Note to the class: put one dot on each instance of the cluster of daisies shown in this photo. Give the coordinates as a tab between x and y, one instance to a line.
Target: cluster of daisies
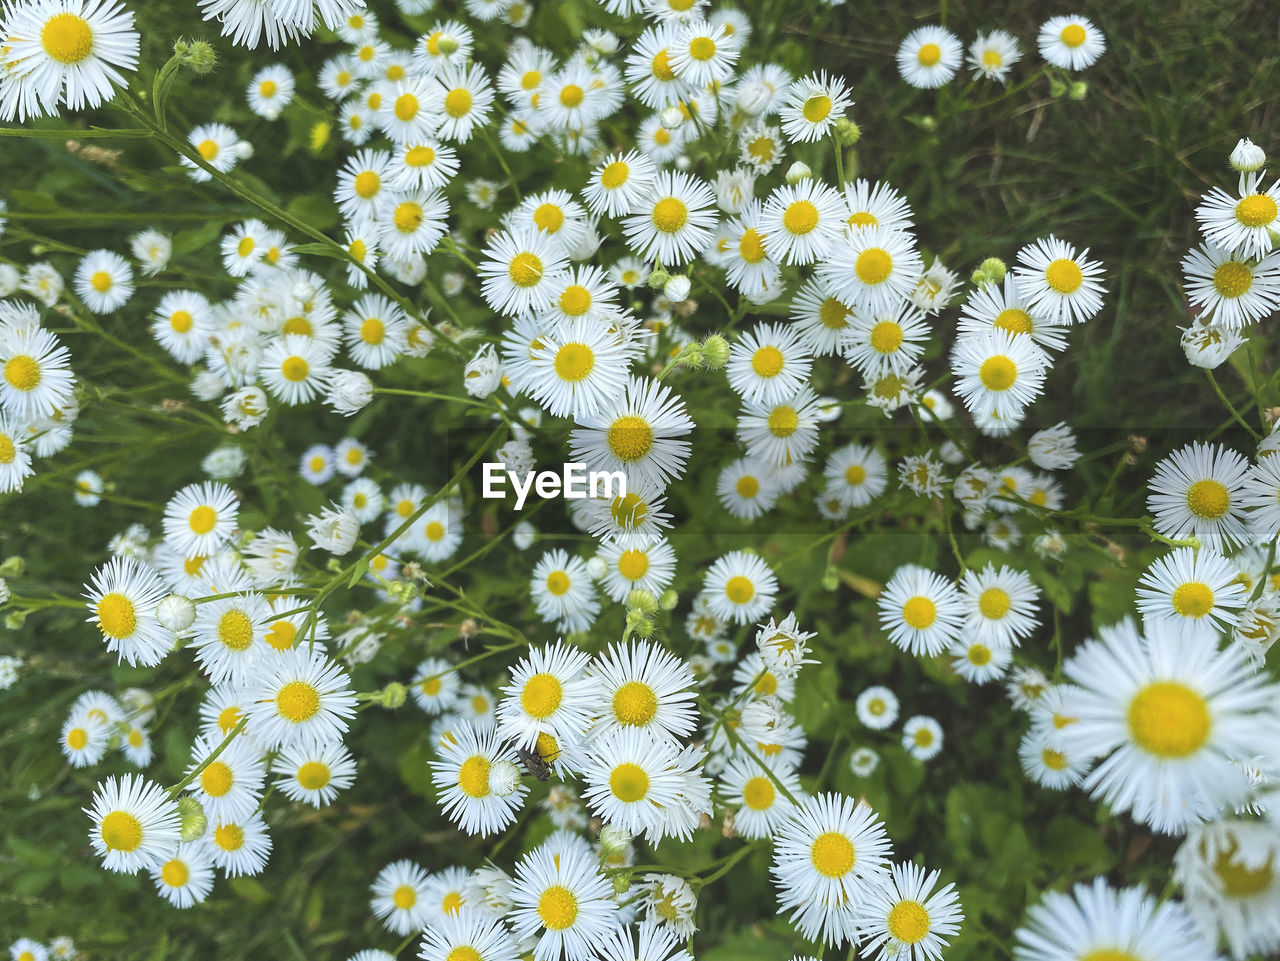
930	56
682	175
1232	279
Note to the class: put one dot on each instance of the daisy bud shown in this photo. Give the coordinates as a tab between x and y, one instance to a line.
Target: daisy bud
638	624
334	530
978	278
830	579
13	566
176	613
448	45
672	118
349	391
621	883
596	568
191	818
676	288
715	352
683	162
1056	87
754	98
451	283
797	172
1247	157
14	620
658	278
207	385
393	695
201	58
244	150
9	279
1078	90
523	535
847	132
319	135
483	372
668	600
504	778
642	601
994	269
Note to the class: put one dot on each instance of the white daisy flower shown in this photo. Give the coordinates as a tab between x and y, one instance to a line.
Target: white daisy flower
135	824
906	919
1242	224
477	782
186	878
547	693
314	773
856	474
467	934
467	97
760	808
631	779
563	592
802	222
929	57
37	379
739	587
619	184
520	270
768	365
1044	762
745	488
104	281
1057	283
642	686
1197	593
992	54
123	597
885	342
812	106
217	144
635	432
877	707
922	737
873	269
649	567
998	372
782	434
301	695
677	221
1230	288
1001	307
1198	491
1071	42
565	903
83	739
1000	606
230	785
921	611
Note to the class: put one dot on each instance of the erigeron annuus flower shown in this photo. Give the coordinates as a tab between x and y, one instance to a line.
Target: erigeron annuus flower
619	184
135	824
677	221
761	809
641	686
649	72
183	323
361	184
564	902
648	566
739	587
104	281
123	597
1198	490
831	854
877	707
992	54
1166	714
921	611
467	935
783	646
997	372
1071	42
301	695
802	222
1231	289
216	144
1197	593
35	373
64	52
229	786
1002	307
630	519
547	693
922	737
746	489
872	269
186	878
781	435
929	57
767	365
562	591
467	98
907	918
398	897
1000	606
519	271
314	773
637	431
1044	762
228	636
978	662
295	369
883	342
632	779
83	738
812	106
856	474
477	782
1096	921
1058	283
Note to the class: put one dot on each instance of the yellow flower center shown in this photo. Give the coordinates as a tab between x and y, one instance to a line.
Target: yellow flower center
549	217
670	214
660	66
100	281
67	38
1193	599
367	183
235	630
702	48
576	300
1053	760
228	717
531	80
281	635
419	157
994	603
614	175
800	217
998	373
541	695
747	487
739	589
295	369
1014	321
229	837
979	654
300	325
457	102
557	908
1064	276
406	107
208	149
557	582
816	108
832	854
873	266
408	217
571	95
909	921
929	55
267	89
313	775
751	246
886	337
473	776
434	531
574	362
855	474
121	831
633	564
174	873
116	616
991	59
919	612
404	897
525	269
630	438
298	701
22	372
1169	719
635	704
77	738
1208	499
372	331
463	952
629	783
767	361
1239	881
1233	279
216	779
758	794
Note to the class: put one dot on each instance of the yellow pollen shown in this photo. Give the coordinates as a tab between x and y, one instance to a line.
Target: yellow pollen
574	362
994	603
783	421
420	157
181	321
1239	881
833	314
767	361
1013	320
216	779
979	654
1233	279
300	325
832	855
208	149
1208	499
635	704
747	487
1193	599
281	635
372	331
929	55
919	612
121	831
541	695
100	281
408	217
235	630
1169	719
670	214
800	218
571	95
116	616
1064	276
558	583
549	217
404	897
855	474
702	48
739	589
816	108
886	337
531	80
473	776
751	246
406	107
229	837
576	300
367	183
1072	35
557	908
614	175
228	718
298	701
633	564
267	89
313	775
67	38
991	59
758	794
174	873
434	531
22	372
295	369
660	66
873	266
77	738
629	783
909	921
630	438
525	269
457	102
998	373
